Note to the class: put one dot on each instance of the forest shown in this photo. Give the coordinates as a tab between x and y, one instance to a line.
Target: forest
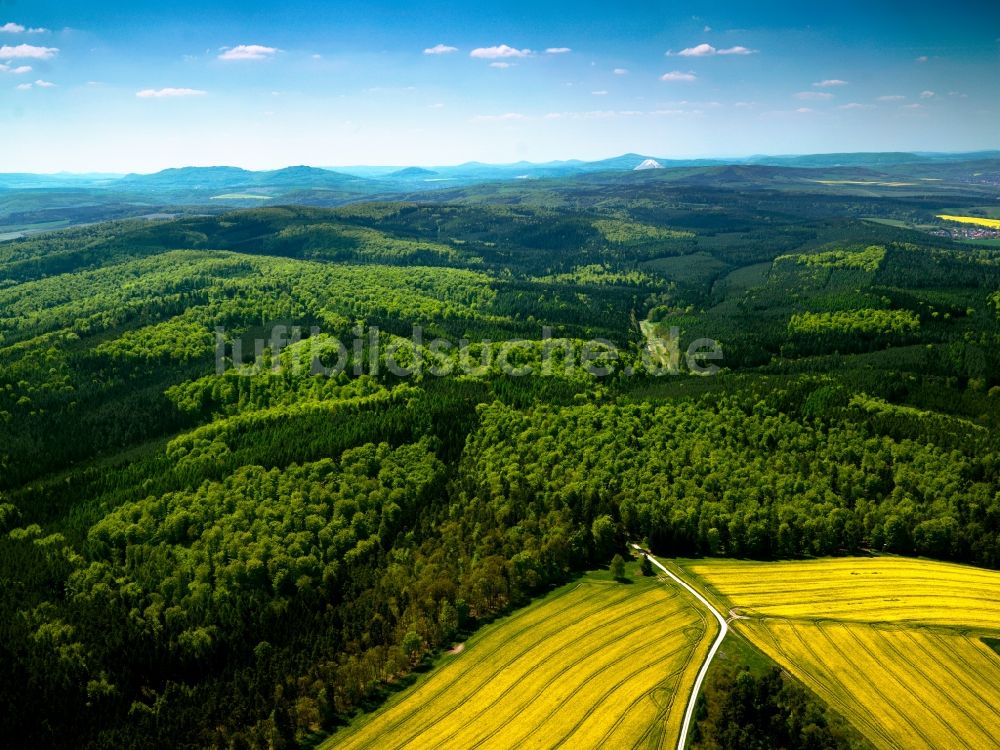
235	551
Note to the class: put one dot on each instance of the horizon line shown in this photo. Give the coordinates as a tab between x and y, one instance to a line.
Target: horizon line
330	167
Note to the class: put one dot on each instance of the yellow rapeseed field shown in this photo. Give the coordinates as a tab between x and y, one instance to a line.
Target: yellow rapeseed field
903	687
862	589
894	644
596	664
991	223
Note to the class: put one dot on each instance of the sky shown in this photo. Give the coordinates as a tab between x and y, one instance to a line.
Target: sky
140	86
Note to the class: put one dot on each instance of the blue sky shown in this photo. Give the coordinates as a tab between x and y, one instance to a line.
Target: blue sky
139	86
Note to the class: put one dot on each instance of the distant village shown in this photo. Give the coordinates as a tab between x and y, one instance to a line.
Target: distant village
967	232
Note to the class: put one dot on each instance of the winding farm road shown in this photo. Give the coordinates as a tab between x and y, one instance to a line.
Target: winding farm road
723	629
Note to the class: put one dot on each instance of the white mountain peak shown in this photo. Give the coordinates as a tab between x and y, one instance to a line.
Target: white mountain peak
649	164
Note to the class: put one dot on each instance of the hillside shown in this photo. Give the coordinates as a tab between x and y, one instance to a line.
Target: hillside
314	506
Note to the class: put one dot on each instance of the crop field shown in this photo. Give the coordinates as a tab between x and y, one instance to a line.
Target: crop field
742	279
697	268
595	664
978	221
880	183
861	589
903	687
241	197
895	645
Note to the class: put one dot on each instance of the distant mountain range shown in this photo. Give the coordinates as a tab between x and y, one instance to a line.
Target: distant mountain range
31	203
374	180
233	178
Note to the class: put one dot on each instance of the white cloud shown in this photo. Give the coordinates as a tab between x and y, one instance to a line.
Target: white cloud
926	94
316	56
814	96
922	59
855	105
891	98
436	105
620	71
20	70
707	50
805	111
829	82
440	49
701	50
558	50
506	117
959	94
28	51
168	93
502	50
913	106
44	84
23	86
502	65
676	75
602	92
249	52
16	28
707	29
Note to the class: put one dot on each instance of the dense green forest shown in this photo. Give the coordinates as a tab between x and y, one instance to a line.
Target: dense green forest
245	557
742	710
